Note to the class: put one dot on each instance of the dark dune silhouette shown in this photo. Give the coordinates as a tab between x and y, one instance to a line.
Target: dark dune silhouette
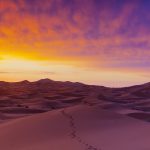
44	95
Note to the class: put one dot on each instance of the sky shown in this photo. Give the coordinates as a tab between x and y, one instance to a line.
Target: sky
102	42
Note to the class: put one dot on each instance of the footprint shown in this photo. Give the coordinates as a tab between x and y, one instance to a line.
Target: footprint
73	133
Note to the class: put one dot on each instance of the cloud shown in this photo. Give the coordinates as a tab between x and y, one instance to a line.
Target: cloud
96	32
29	72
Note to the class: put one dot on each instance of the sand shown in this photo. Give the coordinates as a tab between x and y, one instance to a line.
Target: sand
55	115
76	128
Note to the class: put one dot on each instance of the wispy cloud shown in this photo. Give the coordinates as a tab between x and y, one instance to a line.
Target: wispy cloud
108	33
28	72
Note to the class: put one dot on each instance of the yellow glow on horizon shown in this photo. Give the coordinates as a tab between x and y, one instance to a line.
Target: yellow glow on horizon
14	69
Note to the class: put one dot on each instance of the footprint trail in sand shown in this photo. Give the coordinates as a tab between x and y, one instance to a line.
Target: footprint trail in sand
74	135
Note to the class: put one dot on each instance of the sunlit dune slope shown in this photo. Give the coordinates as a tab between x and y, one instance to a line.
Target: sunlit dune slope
80	127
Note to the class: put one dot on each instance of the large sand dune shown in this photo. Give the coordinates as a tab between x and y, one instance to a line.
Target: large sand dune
76	128
54	115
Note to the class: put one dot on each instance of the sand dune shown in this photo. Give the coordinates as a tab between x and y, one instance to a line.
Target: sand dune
75	128
54	115
27	98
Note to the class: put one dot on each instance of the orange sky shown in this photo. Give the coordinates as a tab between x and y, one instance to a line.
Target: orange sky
94	41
